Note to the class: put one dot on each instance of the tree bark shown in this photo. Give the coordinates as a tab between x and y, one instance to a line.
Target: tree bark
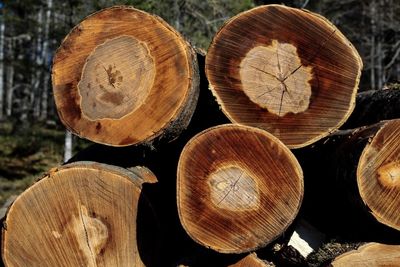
373	106
288	71
238	188
360	170
138	85
82	214
45	57
67	146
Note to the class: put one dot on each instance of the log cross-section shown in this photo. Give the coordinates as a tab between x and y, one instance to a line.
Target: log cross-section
285	70
123	77
238	188
82	214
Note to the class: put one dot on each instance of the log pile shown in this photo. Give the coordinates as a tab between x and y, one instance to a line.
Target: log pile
171	182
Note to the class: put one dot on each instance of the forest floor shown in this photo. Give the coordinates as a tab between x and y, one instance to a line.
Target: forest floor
25	155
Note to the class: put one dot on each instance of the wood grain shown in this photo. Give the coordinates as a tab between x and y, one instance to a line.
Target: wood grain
285	70
82	214
238	188
370	255
378	174
251	260
123	76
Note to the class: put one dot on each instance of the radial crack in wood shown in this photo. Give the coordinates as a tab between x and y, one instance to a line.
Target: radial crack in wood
285	70
123	77
82	214
238	188
282	85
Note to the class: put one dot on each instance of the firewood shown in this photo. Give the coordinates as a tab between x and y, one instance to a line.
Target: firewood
370	255
123	77
238	188
361	168
285	70
82	214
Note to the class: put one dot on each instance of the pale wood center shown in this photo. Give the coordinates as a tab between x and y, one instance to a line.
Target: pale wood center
389	174
91	234
116	78
274	78
234	189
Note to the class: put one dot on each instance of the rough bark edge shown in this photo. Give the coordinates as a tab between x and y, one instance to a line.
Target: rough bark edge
182	116
134	175
369	101
344	39
285	149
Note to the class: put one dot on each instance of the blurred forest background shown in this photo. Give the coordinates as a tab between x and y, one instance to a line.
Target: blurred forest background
31	136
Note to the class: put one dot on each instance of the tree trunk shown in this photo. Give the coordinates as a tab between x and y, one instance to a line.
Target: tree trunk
10	87
67	146
288	71
238	188
370	255
82	214
140	84
37	73
2	28
360	170
374	106
45	57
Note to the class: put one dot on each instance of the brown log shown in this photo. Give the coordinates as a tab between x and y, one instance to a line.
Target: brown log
238	188
82	214
361	170
373	106
251	260
123	76
370	255
288	71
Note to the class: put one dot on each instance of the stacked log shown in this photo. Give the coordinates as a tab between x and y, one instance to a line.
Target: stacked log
81	214
109	74
285	70
285	78
370	255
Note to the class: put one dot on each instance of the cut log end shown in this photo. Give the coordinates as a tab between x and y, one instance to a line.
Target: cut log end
370	255
119	84
378	174
253	261
83	214
238	188
285	70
